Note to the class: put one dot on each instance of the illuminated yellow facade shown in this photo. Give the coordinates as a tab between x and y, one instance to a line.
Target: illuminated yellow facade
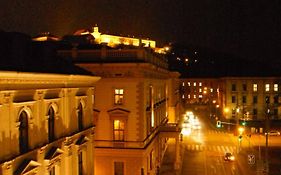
46	124
113	40
137	109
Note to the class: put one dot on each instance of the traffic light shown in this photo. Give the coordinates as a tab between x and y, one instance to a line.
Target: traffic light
218	124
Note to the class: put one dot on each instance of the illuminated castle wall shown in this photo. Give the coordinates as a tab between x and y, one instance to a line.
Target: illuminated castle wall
113	40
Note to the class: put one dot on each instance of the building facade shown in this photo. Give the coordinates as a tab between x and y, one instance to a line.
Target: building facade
46	124
246	98
250	98
136	99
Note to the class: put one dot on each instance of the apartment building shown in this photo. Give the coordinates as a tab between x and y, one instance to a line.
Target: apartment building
247	98
136	108
251	98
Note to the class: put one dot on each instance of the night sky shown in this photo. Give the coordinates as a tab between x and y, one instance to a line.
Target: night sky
249	29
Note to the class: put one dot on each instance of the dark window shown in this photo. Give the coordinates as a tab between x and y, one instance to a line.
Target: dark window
244	99
276	99
275	112
23	132
267	99
118	168
255	99
80	163
233	99
51	124
233	87
244	86
52	171
255	112
80	117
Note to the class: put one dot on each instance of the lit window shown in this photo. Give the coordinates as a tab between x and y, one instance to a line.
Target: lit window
218	90
200	96
118	96
255	87
211	90
194	84
200	83
188	83
267	87
188	96
194	96
276	87
118	130
200	90
182	83
183	96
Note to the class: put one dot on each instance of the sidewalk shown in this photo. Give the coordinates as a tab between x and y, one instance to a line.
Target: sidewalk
167	166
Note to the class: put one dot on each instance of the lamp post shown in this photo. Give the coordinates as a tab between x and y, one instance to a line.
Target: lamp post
266	131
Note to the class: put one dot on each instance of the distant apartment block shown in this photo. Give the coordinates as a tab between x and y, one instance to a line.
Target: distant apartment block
246	98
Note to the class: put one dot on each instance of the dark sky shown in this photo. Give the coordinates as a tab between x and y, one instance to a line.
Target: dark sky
246	28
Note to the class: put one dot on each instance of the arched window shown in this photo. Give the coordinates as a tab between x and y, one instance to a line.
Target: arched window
80	117
51	124
23	132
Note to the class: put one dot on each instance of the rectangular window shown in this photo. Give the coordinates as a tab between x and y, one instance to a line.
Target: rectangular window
52	171
267	87
275	112
118	130
233	112
200	84
200	90
188	96
188	83
255	87
267	99
200	96
233	99
233	87
151	160
194	96
275	88
244	99
244	87
80	163
194	84
276	99
118	168
255	99
118	96
255	112
182	83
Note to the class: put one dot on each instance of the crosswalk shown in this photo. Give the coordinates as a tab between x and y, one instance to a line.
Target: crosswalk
217	148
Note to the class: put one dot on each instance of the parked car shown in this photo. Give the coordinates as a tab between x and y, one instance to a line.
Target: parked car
273	133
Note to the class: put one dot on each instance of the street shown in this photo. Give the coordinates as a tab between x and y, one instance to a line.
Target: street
204	151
